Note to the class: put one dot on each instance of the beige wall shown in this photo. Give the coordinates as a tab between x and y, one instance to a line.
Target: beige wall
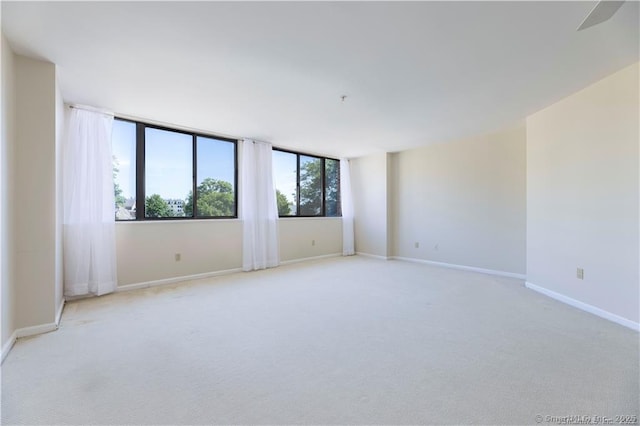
34	201
369	187
582	195
393	189
6	182
302	238
146	250
464	202
30	274
60	128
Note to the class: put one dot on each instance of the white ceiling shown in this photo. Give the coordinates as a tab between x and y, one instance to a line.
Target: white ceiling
414	72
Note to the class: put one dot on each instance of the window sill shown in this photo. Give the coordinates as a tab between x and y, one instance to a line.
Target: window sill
311	218
139	222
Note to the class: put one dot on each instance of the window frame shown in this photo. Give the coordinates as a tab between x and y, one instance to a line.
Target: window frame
140	171
323	168
324	187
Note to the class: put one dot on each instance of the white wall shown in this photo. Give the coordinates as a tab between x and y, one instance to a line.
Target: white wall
6	182
146	250
34	199
369	187
582	195
464	202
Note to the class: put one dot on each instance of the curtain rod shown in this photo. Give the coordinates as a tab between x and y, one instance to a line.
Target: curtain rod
173	125
178	127
184	128
92	109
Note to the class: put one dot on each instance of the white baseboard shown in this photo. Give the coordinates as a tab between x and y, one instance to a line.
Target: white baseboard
26	332
174	280
6	348
165	281
305	259
584	306
372	256
59	313
463	267
36	329
31	331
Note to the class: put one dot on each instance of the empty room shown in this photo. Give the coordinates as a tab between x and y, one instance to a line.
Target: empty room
320	212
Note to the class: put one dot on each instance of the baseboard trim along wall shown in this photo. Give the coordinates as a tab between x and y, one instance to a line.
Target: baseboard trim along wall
584	306
463	267
59	313
372	256
36	329
31	331
6	348
165	281
306	259
173	280
26	332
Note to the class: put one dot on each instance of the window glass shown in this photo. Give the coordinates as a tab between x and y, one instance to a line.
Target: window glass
215	180
306	185
332	188
168	172
123	145
285	165
175	163
310	186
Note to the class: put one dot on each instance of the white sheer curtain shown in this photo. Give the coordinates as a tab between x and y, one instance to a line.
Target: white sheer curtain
348	245
259	208
89	222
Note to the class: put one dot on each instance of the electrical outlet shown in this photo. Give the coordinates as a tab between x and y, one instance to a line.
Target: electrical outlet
313	242
580	273
416	244
436	247
177	256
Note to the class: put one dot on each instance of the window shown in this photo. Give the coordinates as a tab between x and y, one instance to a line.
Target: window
306	185
310	186
123	142
178	174
168	172
332	187
285	176
216	178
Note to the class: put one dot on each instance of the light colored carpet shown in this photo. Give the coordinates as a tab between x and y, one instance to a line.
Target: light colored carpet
338	341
